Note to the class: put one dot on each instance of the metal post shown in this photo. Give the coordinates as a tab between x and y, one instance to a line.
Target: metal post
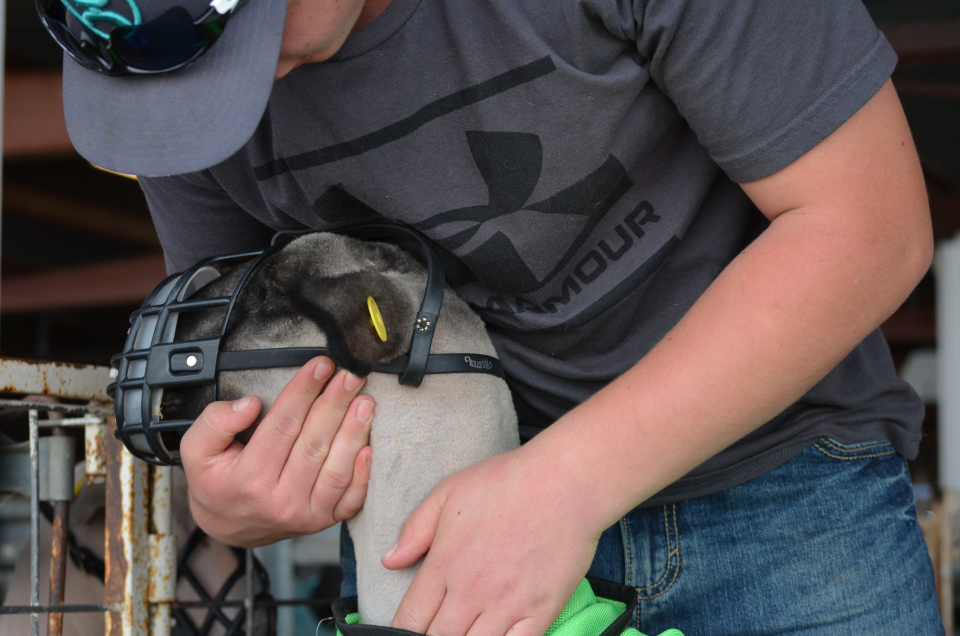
34	419
282	581
127	552
134	486
948	362
115	565
61	525
248	601
95	452
948	409
163	552
949	525
3	48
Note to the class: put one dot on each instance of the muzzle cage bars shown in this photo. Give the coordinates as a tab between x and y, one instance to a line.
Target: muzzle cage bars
151	361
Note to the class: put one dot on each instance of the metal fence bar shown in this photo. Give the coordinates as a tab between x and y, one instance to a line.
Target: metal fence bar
136	553
115	564
950	514
72	421
162	590
263	602
34	418
134	485
23	405
82	382
60	529
947	270
59	379
248	601
46	609
127	553
95	452
118	607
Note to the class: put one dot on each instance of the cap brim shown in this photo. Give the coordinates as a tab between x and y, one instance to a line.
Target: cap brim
183	121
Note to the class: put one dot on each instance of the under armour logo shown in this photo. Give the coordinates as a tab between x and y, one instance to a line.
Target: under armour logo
510	164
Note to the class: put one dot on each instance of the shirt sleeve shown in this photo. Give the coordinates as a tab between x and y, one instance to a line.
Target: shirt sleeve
195	218
760	82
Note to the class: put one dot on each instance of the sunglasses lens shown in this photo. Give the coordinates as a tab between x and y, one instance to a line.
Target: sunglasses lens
53	16
162	44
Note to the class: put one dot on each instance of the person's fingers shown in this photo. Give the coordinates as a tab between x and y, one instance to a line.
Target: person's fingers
503	619
529	627
490	622
452	618
270	446
420	603
417	533
338	470
212	434
208	451
329	418
353	497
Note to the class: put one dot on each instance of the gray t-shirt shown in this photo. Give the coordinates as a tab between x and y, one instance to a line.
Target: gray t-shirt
576	163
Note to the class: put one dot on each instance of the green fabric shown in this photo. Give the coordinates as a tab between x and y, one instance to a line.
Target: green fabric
584	615
632	632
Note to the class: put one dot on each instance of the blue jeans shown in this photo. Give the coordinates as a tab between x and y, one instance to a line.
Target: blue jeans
825	544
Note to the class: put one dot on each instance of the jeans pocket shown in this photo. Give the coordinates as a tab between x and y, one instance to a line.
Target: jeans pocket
861	450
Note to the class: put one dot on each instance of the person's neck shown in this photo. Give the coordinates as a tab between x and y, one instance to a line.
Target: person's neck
370	12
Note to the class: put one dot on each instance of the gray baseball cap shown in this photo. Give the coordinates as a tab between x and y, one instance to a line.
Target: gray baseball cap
184	120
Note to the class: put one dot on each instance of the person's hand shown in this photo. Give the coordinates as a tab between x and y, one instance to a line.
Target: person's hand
507	548
305	468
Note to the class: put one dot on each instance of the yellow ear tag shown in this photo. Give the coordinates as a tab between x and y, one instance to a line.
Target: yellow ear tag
376	319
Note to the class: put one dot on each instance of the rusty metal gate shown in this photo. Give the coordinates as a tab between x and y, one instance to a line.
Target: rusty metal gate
140	547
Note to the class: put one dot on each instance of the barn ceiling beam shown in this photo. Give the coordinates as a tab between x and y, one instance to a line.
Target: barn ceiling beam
88	218
931	90
925	41
945	209
33	122
111	283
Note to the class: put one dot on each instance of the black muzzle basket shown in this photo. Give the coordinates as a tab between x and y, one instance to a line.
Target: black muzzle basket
152	361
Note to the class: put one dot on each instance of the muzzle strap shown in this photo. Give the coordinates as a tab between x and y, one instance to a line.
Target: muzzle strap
299	356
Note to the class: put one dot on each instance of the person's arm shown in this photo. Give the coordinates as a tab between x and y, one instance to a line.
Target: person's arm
307	465
510	538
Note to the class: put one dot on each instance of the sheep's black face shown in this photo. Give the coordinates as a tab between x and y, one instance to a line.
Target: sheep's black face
313	292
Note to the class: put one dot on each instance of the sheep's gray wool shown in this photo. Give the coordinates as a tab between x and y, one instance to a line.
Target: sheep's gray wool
313	292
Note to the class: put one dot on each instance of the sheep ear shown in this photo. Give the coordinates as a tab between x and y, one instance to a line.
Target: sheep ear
338	305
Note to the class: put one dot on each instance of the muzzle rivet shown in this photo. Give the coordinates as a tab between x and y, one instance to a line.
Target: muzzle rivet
191	361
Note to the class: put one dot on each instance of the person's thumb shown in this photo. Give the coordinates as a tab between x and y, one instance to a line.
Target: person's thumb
418	532
212	435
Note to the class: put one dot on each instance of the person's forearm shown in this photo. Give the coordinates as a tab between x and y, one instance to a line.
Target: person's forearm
773	324
777	319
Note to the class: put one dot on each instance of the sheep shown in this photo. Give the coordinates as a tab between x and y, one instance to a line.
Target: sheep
313	292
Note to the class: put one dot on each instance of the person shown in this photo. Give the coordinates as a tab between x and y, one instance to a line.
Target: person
682	221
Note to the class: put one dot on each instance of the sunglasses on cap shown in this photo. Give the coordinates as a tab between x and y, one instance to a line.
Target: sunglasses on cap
168	42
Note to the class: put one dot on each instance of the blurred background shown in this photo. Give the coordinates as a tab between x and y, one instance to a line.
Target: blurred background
79	252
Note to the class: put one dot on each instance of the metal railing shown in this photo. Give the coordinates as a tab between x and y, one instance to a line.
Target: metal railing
140	545
58	381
